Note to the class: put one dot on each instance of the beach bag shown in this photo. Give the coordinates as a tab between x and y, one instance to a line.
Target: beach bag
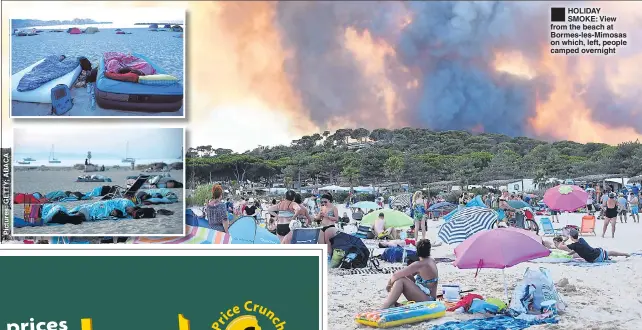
61	101
145	212
536	287
355	251
395	254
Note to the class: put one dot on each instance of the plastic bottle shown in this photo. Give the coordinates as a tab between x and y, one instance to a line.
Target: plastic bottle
93	97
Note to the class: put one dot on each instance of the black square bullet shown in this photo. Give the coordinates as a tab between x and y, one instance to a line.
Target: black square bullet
558	14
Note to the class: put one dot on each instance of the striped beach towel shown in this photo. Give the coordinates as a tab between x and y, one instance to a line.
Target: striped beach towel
194	235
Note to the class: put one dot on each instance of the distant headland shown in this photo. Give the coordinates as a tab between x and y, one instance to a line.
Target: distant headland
23	23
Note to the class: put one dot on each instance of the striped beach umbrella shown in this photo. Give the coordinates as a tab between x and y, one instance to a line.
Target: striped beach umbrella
466	223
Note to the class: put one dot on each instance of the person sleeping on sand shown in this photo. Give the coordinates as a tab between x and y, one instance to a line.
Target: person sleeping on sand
417	281
117	208
580	248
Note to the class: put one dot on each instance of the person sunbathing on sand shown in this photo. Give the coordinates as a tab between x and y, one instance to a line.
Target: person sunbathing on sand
417	281
580	248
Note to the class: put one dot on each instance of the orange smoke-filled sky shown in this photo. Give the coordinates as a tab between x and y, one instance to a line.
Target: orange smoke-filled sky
240	94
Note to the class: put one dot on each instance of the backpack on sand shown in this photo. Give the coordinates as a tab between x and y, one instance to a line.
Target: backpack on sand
61	101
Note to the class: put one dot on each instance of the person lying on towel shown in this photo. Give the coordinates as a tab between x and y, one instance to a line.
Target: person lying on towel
580	248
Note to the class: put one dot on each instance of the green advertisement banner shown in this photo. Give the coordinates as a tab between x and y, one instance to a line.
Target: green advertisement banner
160	292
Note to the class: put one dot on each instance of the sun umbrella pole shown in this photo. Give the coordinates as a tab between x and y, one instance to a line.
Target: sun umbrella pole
505	286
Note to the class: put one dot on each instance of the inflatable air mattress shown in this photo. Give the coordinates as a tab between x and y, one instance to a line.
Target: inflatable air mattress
41	94
397	316
129	96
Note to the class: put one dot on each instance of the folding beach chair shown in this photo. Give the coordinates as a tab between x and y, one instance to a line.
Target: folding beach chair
305	236
588	225
129	193
547	227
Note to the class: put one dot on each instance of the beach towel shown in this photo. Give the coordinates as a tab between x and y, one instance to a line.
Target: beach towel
493	323
128	77
49	69
49	210
165	194
101	210
115	61
584	264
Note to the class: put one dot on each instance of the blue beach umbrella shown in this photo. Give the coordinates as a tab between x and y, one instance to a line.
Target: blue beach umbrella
466	223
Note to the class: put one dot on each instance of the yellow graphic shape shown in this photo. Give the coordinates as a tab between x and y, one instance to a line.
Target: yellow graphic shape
245	322
183	323
85	324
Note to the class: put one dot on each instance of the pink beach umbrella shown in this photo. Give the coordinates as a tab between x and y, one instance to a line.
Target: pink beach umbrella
565	198
498	248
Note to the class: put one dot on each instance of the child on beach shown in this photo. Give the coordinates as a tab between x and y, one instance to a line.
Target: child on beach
417	281
579	247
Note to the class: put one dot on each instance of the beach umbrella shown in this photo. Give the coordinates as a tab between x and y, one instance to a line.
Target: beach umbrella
365	205
498	248
393	219
402	200
518	204
466	222
440	206
565	198
528	233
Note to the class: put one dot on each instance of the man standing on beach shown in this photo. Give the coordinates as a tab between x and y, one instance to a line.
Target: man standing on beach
634	204
622	203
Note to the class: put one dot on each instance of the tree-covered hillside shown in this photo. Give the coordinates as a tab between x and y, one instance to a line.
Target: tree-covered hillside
417	156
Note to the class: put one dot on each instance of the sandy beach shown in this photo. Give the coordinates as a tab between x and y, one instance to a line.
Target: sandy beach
53	179
161	47
603	297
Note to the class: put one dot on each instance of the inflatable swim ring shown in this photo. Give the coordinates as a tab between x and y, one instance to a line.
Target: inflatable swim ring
396	316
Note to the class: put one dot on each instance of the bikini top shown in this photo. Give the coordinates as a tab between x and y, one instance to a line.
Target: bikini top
287	213
420	281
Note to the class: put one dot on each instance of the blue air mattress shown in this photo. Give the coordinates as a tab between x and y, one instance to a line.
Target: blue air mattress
123	95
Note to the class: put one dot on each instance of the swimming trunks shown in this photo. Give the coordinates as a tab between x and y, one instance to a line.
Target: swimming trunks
634	210
604	256
282	229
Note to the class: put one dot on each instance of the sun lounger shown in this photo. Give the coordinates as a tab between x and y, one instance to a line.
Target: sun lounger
305	236
588	225
547	227
129	193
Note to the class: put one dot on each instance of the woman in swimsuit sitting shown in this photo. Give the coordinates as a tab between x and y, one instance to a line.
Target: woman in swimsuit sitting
284	212
329	215
411	281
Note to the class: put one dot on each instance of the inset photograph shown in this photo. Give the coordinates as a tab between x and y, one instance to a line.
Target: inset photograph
98	182
102	61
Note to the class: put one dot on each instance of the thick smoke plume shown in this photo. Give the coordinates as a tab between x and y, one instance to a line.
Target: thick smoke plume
450	65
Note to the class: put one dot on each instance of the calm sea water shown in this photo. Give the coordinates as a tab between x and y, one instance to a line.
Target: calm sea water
106	162
161	47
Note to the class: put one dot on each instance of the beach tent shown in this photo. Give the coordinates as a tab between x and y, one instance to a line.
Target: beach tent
167	26
153	26
91	30
245	230
177	28
75	31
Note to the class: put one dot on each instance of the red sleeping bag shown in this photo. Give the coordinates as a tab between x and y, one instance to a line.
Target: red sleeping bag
22	198
129	77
